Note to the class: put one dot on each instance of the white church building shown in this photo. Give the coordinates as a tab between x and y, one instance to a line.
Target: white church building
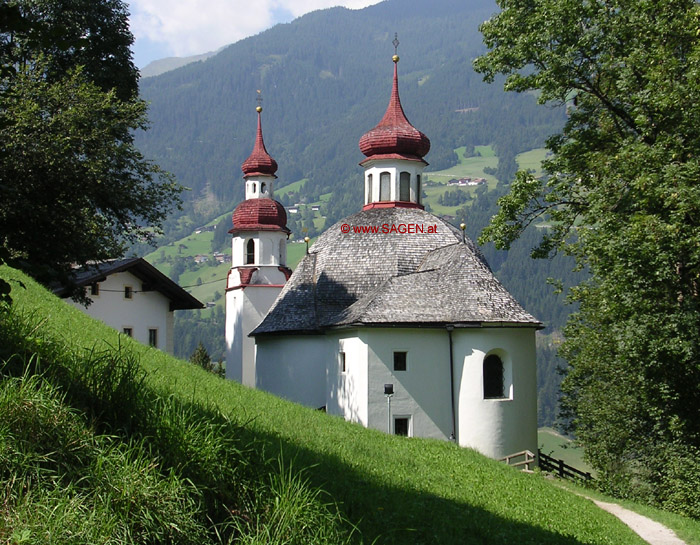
400	326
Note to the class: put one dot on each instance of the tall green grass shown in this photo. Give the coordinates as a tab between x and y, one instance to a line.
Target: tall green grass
243	466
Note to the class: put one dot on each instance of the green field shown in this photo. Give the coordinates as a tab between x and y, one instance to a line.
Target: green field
247	463
554	444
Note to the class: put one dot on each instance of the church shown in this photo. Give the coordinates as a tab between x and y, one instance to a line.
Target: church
393	319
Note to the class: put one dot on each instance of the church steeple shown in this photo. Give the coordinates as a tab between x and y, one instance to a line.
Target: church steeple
259	168
394	151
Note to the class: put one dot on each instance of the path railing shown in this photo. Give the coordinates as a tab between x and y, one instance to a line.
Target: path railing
524	459
565	471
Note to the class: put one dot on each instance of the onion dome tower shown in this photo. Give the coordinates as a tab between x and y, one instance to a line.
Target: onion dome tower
394	151
258	264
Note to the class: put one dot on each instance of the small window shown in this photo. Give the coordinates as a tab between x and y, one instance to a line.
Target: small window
368	191
401	425
128	292
250	252
419	194
94	289
385	186
129	332
493	377
262	187
405	187
341	362
153	337
400	361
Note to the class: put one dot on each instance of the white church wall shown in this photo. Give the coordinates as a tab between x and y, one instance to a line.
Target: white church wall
294	367
496	427
422	391
140	313
348	389
245	309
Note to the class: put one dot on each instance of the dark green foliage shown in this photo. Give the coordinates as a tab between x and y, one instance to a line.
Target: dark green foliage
621	197
201	357
326	80
74	187
453	198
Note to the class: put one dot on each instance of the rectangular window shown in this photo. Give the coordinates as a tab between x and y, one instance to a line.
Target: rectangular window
94	289
401	425
128	331
341	362
153	337
128	292
400	361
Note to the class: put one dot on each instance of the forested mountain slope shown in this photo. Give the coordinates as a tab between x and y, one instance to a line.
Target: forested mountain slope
325	80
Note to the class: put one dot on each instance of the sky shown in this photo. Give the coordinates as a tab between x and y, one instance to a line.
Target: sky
181	28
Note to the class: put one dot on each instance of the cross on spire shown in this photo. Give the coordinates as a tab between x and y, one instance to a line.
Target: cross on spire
396	43
259	99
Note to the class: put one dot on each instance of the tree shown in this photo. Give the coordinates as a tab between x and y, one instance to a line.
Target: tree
621	196
74	187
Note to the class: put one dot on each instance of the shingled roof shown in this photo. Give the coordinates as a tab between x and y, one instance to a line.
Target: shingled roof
391	278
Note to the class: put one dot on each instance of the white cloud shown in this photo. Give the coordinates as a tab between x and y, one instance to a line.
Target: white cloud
190	27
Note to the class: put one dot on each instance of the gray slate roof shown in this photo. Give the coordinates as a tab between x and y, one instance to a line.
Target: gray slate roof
391	279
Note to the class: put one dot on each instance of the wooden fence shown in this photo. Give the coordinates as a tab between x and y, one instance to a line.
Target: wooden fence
528	461
565	471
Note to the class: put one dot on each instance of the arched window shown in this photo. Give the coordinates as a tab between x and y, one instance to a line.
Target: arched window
250	252
493	377
419	195
368	190
405	187
385	186
262	187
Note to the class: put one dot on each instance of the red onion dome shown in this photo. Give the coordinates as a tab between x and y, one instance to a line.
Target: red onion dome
394	136
259	215
260	162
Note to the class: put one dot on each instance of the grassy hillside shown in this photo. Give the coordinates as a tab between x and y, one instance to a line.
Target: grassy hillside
555	444
218	457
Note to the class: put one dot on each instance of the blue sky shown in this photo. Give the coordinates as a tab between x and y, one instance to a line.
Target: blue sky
181	28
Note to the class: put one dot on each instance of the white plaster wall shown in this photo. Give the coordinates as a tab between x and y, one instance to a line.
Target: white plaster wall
393	167
348	391
497	427
144	311
294	367
422	392
267	248
254	187
245	309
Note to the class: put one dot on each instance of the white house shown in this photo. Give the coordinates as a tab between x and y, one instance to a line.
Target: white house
135	298
395	321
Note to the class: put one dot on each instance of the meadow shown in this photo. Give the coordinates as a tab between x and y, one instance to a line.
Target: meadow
105	440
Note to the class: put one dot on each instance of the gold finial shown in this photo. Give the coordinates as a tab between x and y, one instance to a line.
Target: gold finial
307	239
259	101
462	226
395	58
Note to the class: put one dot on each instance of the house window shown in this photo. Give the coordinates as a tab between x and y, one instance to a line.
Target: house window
94	289
385	186
128	292
250	252
400	361
129	332
153	337
405	187
402	425
493	377
341	362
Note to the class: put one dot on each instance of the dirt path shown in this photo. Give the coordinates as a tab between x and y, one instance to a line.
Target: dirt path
649	530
